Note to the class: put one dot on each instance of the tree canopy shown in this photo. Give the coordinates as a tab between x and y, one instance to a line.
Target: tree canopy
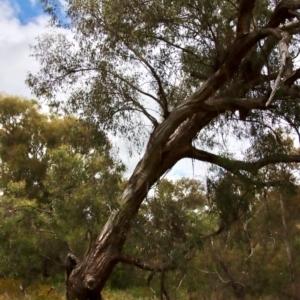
177	75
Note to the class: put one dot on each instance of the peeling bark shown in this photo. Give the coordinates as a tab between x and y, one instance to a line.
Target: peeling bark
286	64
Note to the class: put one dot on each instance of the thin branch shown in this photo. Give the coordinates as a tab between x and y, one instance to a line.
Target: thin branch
231	282
293	125
71	71
53	233
188	51
277	136
133	86
198	75
141	109
222	228
180	283
162	93
144	265
150	277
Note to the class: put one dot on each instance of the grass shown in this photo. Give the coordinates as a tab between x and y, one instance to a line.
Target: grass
10	290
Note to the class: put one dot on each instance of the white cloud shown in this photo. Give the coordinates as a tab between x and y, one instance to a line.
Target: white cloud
33	3
15	39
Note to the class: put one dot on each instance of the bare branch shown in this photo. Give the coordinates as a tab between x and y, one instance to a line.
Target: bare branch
157	267
285	63
234	166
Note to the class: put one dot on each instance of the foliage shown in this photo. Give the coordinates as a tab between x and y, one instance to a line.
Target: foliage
58	180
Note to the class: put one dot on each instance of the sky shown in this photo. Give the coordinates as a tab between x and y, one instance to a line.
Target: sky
26	10
21	21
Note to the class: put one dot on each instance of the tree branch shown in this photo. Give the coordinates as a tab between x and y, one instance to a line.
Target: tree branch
222	228
234	166
141	108
281	12
244	17
188	51
292	78
285	63
53	233
133	86
198	75
144	265
163	97
187	108
222	104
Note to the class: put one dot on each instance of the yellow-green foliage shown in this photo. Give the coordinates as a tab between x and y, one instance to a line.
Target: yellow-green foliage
10	289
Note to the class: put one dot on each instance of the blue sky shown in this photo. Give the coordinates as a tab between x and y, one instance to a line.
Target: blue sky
26	10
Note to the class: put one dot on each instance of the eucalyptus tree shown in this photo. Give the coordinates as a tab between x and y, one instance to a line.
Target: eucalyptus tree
53	175
176	75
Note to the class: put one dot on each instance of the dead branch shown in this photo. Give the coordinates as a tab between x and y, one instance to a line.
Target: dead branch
285	63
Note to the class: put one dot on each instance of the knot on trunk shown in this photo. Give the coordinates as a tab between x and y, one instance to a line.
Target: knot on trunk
90	282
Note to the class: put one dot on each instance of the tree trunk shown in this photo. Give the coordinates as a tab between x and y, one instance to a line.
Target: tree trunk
86	279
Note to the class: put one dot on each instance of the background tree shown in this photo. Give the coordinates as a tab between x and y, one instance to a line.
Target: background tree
58	181
183	73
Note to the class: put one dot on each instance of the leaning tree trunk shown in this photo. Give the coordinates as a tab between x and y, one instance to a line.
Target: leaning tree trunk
86	279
